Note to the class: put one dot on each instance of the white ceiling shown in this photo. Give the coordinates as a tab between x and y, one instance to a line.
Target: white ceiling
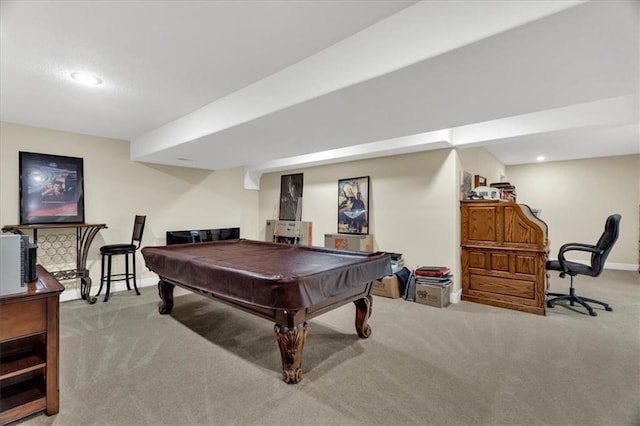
274	85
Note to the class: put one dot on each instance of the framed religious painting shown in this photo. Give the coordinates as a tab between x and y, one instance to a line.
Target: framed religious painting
353	205
51	189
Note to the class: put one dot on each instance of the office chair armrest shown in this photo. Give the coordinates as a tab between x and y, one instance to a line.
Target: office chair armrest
575	247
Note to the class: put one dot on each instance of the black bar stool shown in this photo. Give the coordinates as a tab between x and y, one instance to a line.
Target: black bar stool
108	251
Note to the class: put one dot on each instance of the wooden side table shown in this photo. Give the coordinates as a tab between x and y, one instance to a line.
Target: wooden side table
29	353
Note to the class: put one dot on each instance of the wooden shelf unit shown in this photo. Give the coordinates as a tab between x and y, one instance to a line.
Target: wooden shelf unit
504	253
29	353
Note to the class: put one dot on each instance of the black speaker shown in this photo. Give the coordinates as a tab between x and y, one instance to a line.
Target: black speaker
31	263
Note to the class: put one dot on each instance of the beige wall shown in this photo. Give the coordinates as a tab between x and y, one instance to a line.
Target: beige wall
577	196
116	189
413	204
479	161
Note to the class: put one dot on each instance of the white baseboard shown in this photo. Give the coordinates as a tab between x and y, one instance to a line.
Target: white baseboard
73	293
622	266
455	296
610	265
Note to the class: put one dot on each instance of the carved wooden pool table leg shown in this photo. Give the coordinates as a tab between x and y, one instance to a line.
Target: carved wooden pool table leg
291	343
364	307
165	290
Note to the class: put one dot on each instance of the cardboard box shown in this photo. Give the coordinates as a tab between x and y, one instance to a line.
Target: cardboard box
349	242
387	287
433	295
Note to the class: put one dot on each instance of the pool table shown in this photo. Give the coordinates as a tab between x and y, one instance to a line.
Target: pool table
287	284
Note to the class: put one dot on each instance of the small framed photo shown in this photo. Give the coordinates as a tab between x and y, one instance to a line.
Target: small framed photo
479	181
353	205
51	189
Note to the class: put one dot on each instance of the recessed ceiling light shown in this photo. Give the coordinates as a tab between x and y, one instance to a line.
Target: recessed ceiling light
540	158
84	78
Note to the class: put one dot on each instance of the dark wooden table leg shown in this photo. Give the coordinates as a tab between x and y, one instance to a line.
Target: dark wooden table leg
84	238
291	343
364	307
165	290
85	289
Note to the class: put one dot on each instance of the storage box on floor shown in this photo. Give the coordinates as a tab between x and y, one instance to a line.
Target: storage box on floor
349	242
387	287
433	295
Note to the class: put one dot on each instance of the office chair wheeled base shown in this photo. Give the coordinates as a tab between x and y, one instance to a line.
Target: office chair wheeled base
572	298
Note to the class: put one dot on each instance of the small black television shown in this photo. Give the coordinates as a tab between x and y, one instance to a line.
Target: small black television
202	235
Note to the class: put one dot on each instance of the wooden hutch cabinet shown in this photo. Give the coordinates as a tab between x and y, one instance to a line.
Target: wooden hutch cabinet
504	252
29	336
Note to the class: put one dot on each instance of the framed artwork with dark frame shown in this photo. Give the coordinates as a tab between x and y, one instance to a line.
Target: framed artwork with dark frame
291	197
479	181
51	189
353	205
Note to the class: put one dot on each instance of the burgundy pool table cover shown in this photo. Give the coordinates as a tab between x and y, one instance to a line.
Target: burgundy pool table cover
271	275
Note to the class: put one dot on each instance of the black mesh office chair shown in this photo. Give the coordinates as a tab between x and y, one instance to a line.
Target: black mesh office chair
108	251
599	253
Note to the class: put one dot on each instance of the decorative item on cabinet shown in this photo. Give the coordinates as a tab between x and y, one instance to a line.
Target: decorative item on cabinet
508	191
479	181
